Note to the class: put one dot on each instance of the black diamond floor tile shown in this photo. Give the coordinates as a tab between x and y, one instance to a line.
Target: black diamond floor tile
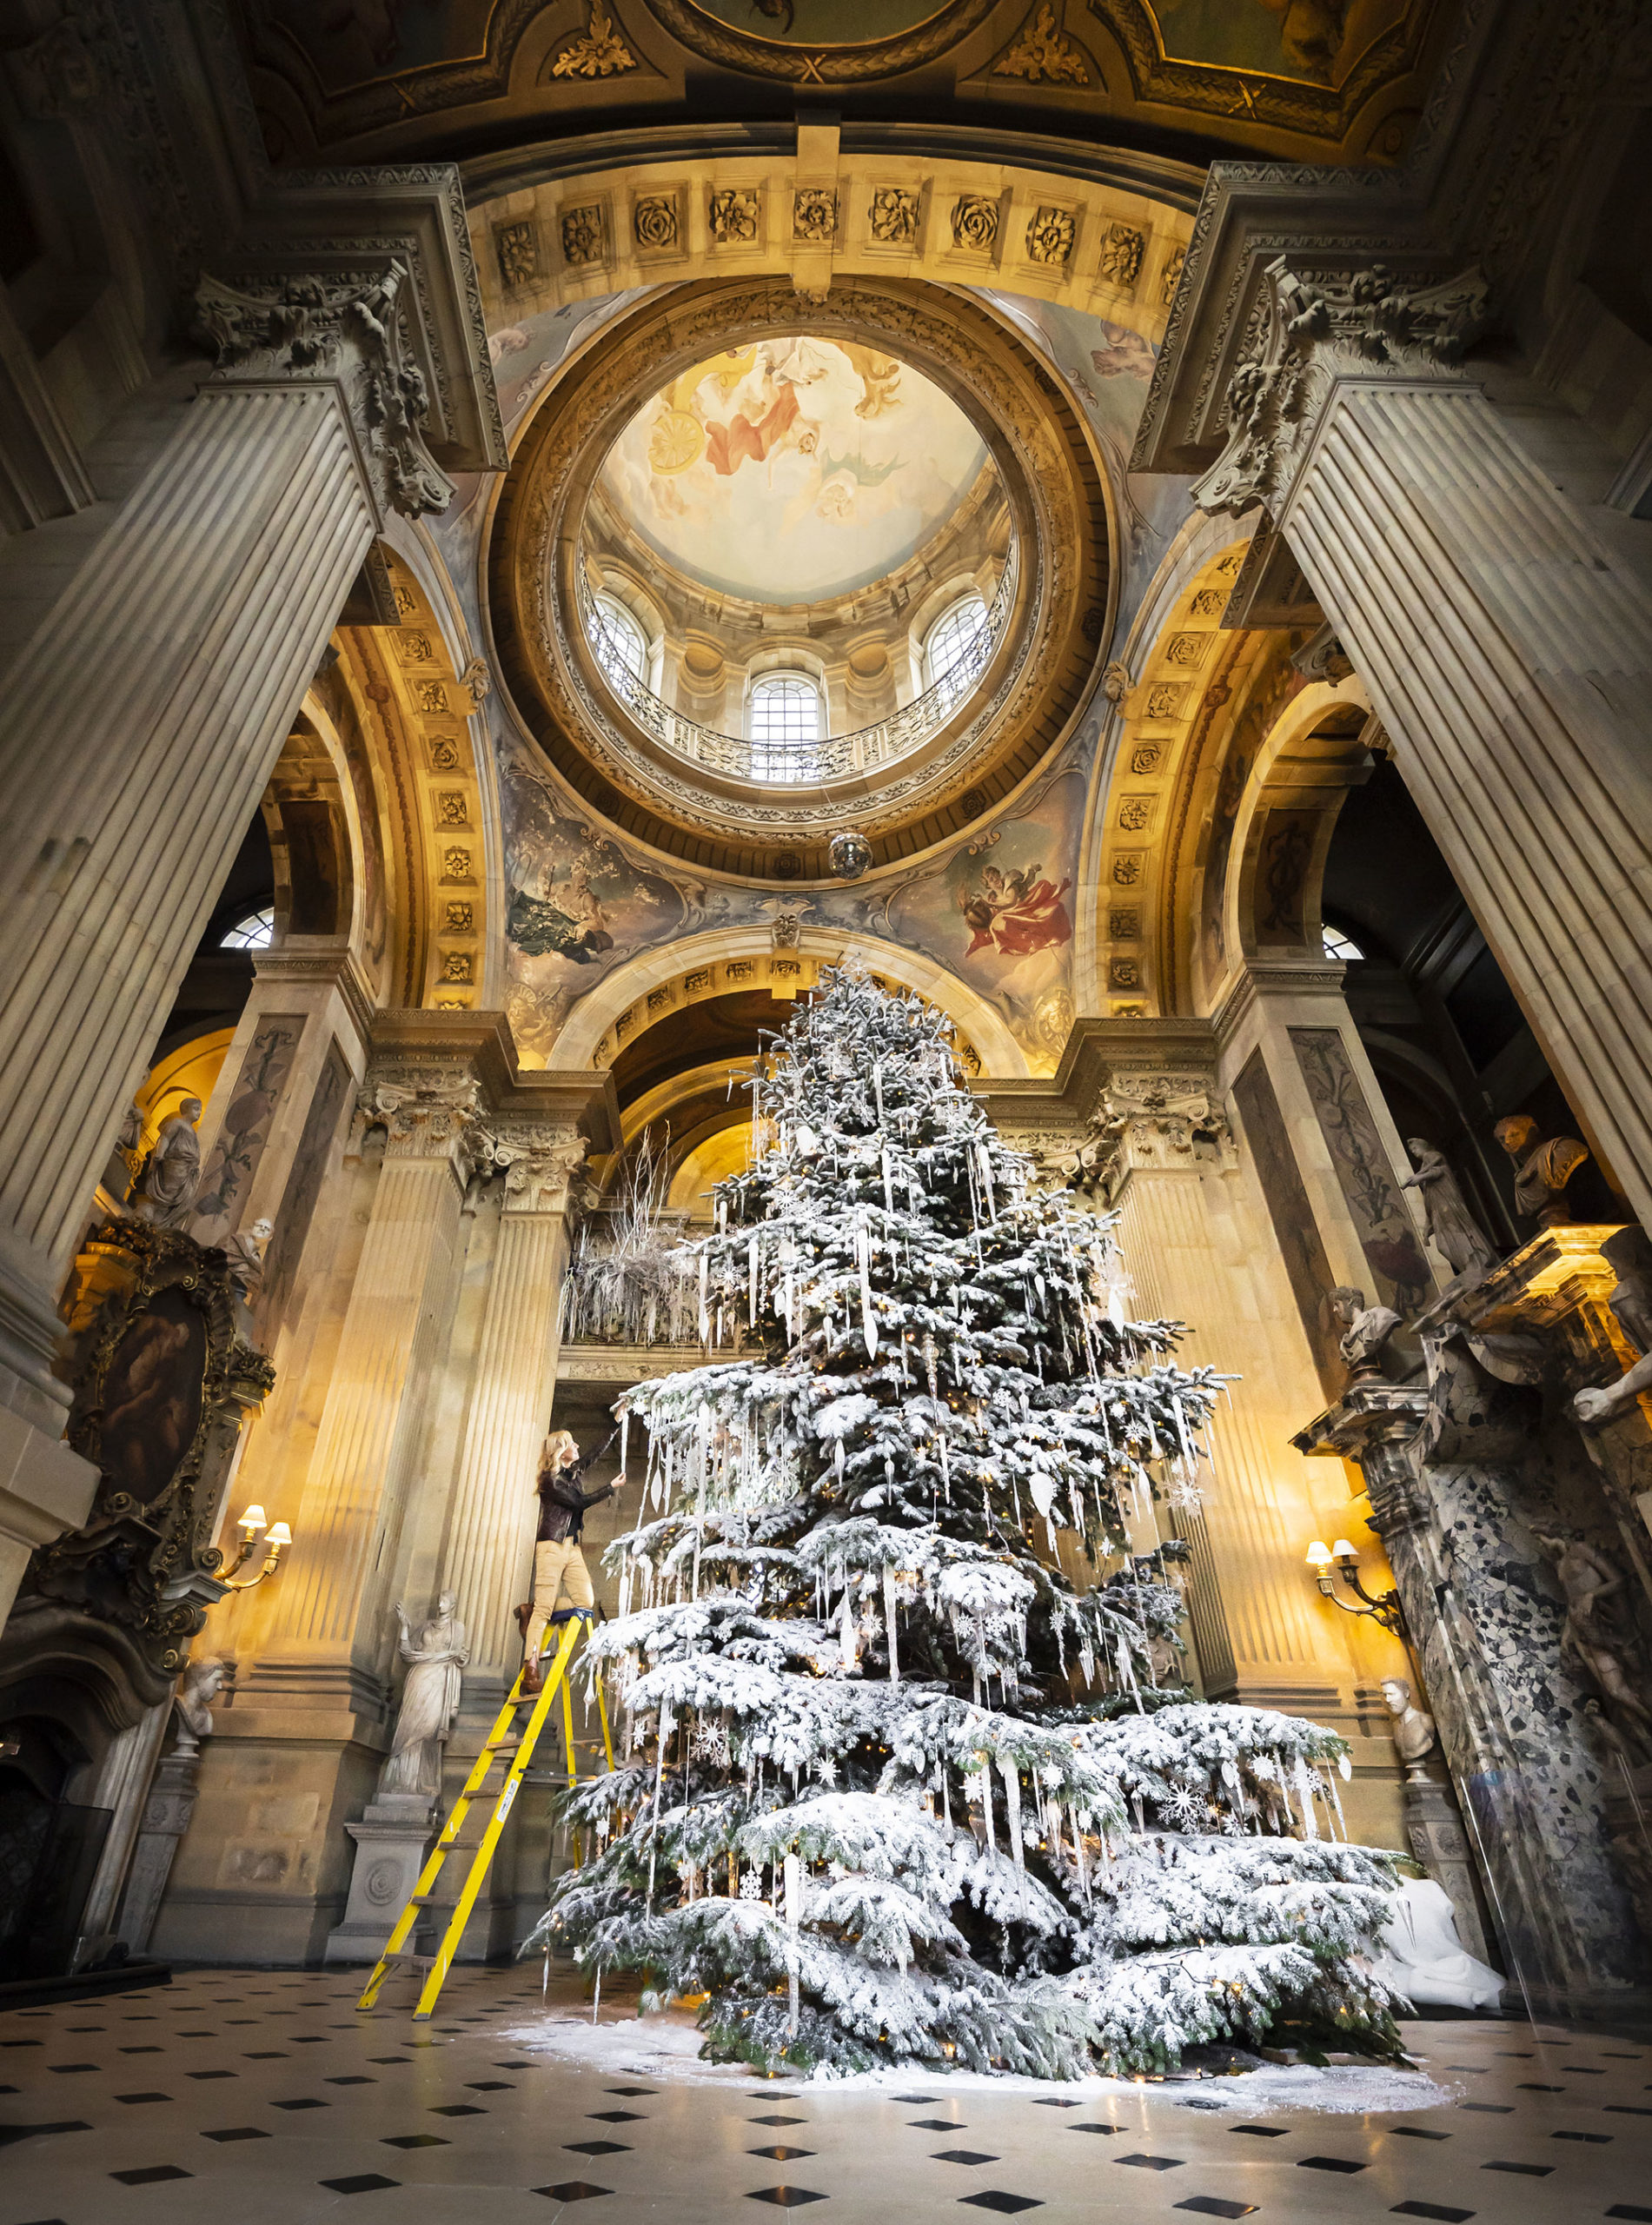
1263	2131
1418	2132
132	2100
772	2120
209	2074
1211	2205
416	2140
787	2197
917	2124
238	2132
1527	2085
1152	2163
356	2081
1327	2163
151	2174
458	2110
489	2086
962	2155
306	2102
636	2116
11	2133
906	2100
1006	2203
498	2066
145	2049
596	2148
363	2183
267	2055
778	2155
1521	2170
1054	2101
1625	2110
63	2070
1490	2109
1594	2139
1430	2210
1632	2210
635	2089
1092	2128
404	2058
572	2191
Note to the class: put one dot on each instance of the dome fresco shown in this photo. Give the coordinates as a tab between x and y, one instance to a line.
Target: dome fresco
793	471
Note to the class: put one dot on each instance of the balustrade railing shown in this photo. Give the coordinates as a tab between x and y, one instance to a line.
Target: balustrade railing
832	756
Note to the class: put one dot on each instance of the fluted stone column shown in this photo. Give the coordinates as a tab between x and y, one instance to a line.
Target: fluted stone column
140	723
1509	659
490	1529
395	1329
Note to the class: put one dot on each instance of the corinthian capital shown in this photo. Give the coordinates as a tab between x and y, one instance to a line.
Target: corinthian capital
542	1164
348	327
425	1113
1307	332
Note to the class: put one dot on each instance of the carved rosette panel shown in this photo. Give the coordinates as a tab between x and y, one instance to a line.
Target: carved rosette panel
1046	663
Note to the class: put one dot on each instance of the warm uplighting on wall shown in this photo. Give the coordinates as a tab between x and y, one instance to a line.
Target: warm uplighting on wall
1384	1608
277	1534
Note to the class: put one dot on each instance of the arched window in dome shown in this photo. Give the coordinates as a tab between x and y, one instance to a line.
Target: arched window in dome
256	932
952	643
617	640
1341	946
785	723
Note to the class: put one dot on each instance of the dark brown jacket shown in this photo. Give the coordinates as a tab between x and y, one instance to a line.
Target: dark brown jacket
562	1502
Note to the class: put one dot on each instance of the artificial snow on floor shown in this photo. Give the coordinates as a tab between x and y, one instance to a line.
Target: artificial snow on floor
667	2046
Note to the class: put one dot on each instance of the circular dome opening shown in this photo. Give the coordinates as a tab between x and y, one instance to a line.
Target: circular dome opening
796	561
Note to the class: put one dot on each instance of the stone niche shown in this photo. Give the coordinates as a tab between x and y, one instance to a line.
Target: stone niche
1521	1556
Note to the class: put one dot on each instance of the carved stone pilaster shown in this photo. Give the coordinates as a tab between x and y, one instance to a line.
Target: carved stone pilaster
541	1165
1307	329
347	327
426	1112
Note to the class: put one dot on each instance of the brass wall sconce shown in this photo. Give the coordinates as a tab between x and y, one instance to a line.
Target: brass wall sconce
276	1536
1384	1609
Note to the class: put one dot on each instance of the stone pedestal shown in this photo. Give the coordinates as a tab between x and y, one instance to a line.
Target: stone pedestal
166	1818
1434	1826
392	1841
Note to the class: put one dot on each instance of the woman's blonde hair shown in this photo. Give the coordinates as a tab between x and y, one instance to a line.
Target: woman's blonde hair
559	1440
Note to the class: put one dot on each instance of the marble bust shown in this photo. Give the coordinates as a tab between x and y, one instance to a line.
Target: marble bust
1415	1737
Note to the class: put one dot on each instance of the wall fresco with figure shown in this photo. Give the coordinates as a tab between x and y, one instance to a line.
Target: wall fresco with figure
1316	41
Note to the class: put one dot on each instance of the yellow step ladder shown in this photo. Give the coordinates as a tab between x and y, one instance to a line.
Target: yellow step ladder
520	1750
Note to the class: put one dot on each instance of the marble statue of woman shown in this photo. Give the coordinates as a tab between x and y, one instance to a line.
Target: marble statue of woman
429	1699
1453	1229
172	1175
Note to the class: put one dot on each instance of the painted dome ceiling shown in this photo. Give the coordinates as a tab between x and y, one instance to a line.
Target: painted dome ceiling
793	471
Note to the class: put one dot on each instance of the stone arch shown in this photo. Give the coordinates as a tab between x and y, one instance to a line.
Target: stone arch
1315	752
1177	666
414	701
647	988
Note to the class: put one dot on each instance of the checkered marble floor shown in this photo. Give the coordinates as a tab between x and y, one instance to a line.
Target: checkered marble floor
257	2097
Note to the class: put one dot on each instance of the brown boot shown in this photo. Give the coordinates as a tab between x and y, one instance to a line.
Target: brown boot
532	1680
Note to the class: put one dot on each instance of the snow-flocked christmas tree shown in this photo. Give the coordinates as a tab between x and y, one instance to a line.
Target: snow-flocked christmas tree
904	1781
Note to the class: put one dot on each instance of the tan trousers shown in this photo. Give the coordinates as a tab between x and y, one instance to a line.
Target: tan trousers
559	1566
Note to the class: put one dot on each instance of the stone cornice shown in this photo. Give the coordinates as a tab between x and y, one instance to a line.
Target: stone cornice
482	1043
1096	1049
1314	976
331	962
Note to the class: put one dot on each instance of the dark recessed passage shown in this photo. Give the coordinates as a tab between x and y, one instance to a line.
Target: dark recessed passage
363	2183
785	2197
1152	2163
1327	2163
1006	2204
1429	2209
1211	2205
151	2174
596	2148
238	2132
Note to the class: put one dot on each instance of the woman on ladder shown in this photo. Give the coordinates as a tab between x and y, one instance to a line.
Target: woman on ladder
559	1565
